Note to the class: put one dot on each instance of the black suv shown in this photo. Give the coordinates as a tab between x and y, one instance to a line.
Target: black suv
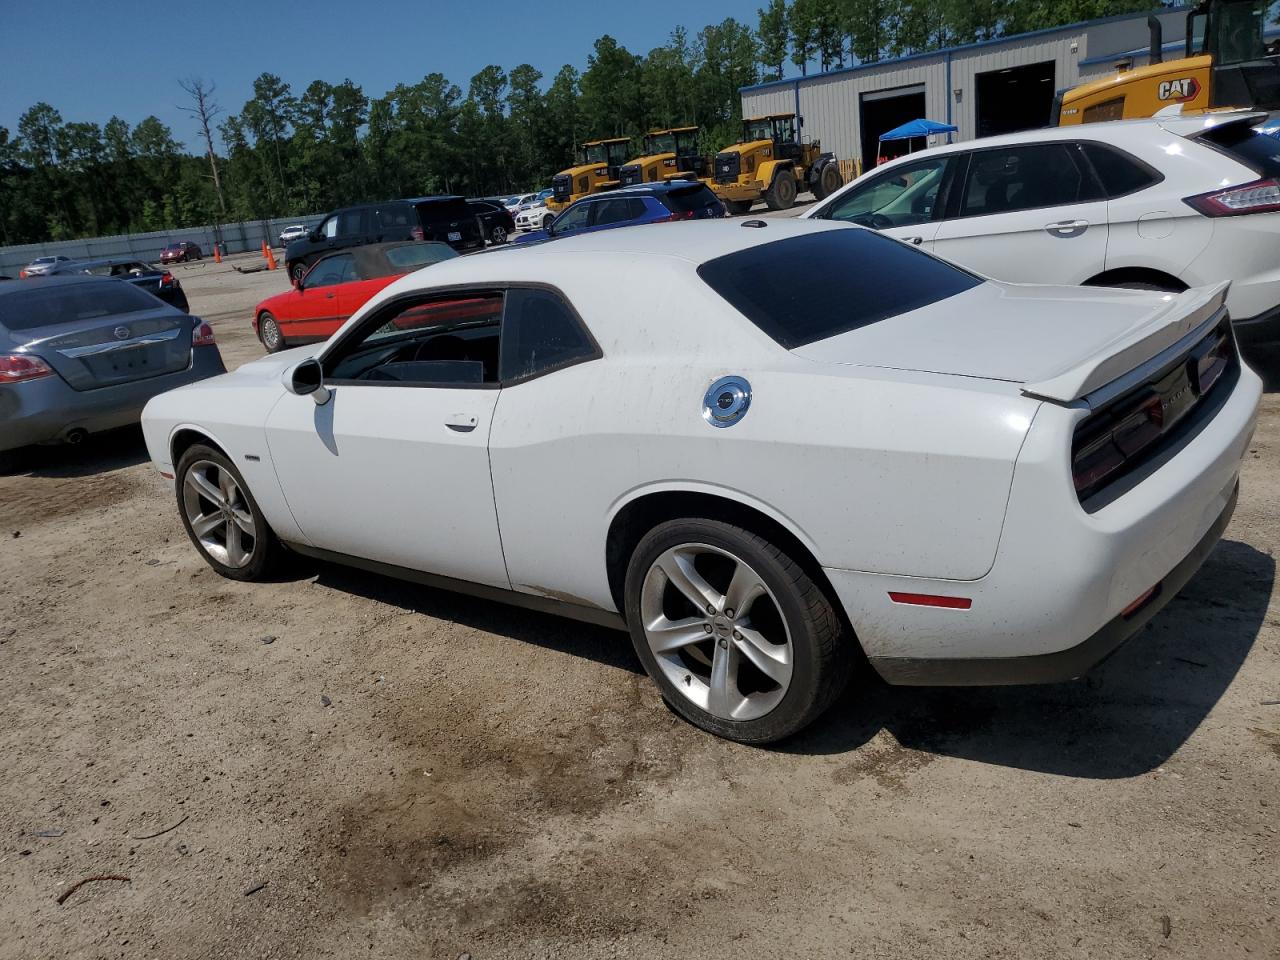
445	219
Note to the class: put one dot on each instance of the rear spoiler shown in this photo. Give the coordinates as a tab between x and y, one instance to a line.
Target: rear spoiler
1162	328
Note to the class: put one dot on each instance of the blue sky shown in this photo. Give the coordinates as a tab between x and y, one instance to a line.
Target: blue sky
91	60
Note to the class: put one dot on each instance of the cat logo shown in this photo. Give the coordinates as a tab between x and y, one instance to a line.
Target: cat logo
1179	91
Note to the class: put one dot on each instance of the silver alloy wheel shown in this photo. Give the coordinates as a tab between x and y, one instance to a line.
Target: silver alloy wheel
498	235
728	651
270	334
218	513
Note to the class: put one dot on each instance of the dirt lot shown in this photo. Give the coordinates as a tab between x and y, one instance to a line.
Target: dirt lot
360	767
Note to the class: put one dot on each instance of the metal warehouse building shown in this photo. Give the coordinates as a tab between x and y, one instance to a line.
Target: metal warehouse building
985	88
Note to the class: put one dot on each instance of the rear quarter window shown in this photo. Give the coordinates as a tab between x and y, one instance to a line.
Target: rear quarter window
808	288
1119	173
419	255
1243	143
693	198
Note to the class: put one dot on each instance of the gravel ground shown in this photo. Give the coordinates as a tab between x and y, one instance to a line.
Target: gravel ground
361	767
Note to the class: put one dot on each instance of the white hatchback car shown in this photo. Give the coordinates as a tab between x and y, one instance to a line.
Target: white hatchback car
1163	204
763	447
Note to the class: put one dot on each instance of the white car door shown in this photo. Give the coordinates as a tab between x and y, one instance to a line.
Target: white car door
394	467
900	202
1027	213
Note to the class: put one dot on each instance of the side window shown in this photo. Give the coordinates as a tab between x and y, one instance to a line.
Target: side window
425	342
575	218
351	222
540	333
330	271
901	197
1120	173
617	210
394	218
329	227
1023	178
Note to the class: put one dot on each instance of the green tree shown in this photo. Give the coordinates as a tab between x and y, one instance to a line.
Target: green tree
772	35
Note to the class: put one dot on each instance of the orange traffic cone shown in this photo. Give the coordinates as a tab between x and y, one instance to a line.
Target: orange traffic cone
271	259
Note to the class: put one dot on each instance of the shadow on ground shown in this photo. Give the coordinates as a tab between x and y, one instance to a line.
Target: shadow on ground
98	453
1126	718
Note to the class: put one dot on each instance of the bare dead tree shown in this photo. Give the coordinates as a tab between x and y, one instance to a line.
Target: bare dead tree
204	109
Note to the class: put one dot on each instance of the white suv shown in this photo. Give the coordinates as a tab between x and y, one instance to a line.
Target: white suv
1165	203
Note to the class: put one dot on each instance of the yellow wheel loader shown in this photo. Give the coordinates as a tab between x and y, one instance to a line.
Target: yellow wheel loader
1226	62
595	172
668	155
770	163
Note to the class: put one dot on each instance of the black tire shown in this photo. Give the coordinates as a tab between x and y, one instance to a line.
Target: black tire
498	235
781	194
269	333
738	208
828	182
297	270
821	652
547	221
266	553
10	461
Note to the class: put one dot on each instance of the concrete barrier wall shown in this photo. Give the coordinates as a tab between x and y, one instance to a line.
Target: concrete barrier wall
236	238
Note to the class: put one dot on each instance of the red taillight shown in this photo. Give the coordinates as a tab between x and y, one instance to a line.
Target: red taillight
166	279
1143	599
416	233
677	215
1260	196
1103	448
202	335
16	367
931	600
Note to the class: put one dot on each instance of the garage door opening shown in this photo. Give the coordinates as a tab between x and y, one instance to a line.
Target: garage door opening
881	112
1017	98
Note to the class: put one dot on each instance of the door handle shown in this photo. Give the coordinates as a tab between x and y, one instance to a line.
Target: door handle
1067	228
329	296
916	240
461	422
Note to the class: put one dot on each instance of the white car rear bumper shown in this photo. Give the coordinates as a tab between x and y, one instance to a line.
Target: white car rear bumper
1053	603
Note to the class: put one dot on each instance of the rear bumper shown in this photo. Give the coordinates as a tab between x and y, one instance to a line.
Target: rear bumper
47	410
1062	664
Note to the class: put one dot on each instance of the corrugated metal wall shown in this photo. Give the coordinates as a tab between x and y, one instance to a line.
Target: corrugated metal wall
830	102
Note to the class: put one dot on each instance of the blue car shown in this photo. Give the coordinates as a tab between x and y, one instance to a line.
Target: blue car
627	206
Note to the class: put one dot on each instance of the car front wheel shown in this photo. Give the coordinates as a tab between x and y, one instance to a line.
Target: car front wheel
498	236
738	637
298	271
269	333
221	517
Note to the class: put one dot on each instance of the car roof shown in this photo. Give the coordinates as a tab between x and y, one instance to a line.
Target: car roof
56	280
644	189
695	242
1110	131
105	262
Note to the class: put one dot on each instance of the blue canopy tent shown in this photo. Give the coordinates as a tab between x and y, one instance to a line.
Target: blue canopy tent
918	128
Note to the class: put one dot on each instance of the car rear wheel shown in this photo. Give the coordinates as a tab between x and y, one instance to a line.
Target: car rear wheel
738	207
498	235
738	637
221	517
269	333
297	272
781	194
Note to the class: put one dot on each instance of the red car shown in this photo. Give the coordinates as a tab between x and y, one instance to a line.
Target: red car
337	286
181	252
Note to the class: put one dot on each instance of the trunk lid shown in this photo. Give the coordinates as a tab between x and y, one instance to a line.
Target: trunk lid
1055	343
115	348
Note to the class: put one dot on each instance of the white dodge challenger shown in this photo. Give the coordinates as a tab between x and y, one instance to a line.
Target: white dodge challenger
765	448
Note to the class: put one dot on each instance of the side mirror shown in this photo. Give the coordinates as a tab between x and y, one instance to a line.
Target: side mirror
306	379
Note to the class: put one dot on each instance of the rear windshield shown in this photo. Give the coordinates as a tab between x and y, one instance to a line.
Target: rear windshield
419	255
45	306
684	199
1251	148
804	289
